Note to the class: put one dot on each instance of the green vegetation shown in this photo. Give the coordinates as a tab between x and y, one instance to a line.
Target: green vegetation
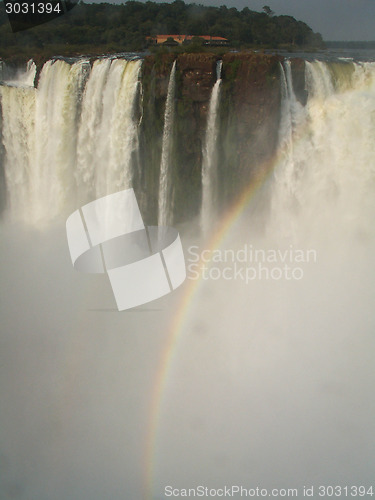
104	27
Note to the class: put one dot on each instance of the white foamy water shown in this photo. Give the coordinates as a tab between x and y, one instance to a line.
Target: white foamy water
165	164
71	138
18	78
269	381
327	169
266	384
209	163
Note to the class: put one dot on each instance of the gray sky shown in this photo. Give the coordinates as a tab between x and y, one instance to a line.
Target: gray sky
334	19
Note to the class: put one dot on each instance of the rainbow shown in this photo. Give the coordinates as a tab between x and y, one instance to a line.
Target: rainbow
161	381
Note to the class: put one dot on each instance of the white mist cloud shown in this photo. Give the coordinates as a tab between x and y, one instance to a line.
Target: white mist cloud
76	376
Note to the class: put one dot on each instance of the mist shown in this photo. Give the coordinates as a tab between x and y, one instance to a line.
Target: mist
267	381
75	376
269	384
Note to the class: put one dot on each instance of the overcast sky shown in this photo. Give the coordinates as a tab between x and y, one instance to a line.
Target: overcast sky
334	19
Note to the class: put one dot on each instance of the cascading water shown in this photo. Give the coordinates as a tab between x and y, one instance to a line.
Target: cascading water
91	128
164	213
107	135
73	137
265	382
291	113
275	362
18	113
18	77
70	139
56	125
17	97
319	79
327	161
209	163
28	77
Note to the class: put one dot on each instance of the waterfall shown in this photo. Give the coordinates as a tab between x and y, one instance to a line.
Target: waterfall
164	179
326	174
209	163
107	131
319	80
75	138
291	113
56	117
20	77
28	77
70	139
304	342
18	112
260	370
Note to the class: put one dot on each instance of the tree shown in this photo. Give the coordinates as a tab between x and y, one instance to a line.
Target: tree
268	10
170	42
128	25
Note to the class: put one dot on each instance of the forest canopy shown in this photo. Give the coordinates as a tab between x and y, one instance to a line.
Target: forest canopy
124	27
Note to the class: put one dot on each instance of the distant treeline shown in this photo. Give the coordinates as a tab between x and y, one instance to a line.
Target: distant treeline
109	27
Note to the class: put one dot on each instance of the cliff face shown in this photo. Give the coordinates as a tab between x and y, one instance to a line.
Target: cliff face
248	114
248	117
195	77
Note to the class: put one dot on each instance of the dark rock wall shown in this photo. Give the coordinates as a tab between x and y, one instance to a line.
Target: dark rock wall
249	120
248	132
